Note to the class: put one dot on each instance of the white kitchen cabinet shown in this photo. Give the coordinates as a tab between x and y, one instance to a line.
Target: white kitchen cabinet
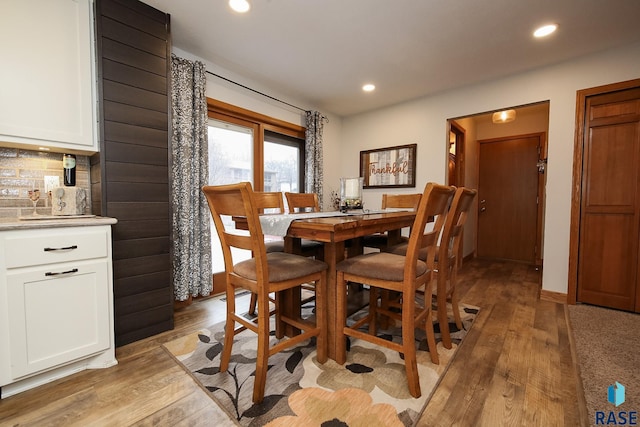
47	77
56	303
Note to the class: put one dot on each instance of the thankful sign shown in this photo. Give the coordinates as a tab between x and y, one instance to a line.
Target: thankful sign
389	167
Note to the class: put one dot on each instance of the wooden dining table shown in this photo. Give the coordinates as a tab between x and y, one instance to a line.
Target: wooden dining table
335	232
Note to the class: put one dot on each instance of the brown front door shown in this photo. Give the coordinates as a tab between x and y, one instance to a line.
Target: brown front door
508	198
610	201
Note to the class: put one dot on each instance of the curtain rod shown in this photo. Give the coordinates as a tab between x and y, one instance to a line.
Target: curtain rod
263	94
253	90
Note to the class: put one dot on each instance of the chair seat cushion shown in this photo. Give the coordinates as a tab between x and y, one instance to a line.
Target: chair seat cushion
282	266
275	246
401	249
379	265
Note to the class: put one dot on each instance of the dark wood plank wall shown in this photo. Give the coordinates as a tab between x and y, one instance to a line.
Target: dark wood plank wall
130	175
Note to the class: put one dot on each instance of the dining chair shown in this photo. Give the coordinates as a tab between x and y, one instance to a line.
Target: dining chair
445	260
302	202
400	201
268	202
403	274
306	202
262	274
273	202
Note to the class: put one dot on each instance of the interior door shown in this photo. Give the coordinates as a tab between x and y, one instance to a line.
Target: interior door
508	198
610	201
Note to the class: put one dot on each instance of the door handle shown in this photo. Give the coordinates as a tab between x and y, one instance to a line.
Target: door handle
483	201
482	209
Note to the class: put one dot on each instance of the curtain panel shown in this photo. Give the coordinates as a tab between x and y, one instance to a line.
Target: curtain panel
314	173
189	172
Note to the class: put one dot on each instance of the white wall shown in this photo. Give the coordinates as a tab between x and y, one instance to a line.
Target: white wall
423	121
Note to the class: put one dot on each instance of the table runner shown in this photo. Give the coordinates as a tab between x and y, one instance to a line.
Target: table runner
278	224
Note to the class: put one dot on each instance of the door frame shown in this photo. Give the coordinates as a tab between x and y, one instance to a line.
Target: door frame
460	133
542	159
576	195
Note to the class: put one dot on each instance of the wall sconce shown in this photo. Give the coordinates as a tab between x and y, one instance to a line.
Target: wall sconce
504	116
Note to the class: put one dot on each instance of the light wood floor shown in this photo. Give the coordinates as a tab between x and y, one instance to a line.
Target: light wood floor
514	368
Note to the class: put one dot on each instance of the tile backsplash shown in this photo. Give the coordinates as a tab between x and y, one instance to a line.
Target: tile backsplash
23	170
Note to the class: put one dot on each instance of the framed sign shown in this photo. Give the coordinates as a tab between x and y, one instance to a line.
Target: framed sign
389	167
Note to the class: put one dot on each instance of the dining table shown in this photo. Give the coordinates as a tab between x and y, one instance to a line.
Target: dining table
341	235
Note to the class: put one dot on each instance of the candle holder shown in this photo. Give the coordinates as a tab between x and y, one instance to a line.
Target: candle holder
351	193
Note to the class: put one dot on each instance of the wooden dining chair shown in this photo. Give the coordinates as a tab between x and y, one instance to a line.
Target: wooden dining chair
447	261
262	274
302	202
268	202
444	260
271	202
306	202
400	201
403	274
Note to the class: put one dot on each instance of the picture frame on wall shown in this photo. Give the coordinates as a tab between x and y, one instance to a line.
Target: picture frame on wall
389	167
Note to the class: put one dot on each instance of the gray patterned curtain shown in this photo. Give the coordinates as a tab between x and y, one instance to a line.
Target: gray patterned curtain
189	172
314	173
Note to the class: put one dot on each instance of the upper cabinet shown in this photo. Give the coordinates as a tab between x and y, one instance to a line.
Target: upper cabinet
47	77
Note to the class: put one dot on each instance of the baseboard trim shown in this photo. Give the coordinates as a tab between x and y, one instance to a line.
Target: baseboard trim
557	297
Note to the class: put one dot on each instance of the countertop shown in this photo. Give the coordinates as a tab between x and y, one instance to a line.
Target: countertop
59	221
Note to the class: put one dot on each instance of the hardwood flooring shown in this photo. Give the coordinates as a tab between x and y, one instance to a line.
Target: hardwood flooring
514	368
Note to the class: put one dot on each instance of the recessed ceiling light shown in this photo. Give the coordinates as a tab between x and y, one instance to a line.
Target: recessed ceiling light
545	30
369	87
240	6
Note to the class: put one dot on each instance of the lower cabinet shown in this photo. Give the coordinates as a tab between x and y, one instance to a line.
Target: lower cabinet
56	305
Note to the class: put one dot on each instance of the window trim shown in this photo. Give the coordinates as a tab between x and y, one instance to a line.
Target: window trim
259	123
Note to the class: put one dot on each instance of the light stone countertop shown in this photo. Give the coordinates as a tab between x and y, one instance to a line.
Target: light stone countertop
54	222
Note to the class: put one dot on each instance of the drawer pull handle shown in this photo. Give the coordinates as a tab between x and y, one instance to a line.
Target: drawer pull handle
75	270
68	248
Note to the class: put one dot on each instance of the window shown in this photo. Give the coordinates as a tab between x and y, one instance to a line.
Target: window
247	146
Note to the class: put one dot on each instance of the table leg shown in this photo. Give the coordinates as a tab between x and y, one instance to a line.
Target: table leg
333	254
289	299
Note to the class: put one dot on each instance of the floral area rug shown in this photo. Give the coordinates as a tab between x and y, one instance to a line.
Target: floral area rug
370	389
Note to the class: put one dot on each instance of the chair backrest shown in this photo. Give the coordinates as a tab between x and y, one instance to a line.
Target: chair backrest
454	224
269	201
410	201
237	200
433	206
301	202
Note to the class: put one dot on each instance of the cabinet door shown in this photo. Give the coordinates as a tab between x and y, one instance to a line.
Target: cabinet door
57	314
46	78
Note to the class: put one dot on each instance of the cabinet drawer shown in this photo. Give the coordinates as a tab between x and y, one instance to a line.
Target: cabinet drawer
48	248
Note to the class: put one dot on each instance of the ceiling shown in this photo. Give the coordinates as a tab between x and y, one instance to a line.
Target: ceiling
321	52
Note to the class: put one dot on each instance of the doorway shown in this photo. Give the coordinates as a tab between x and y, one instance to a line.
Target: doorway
531	120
